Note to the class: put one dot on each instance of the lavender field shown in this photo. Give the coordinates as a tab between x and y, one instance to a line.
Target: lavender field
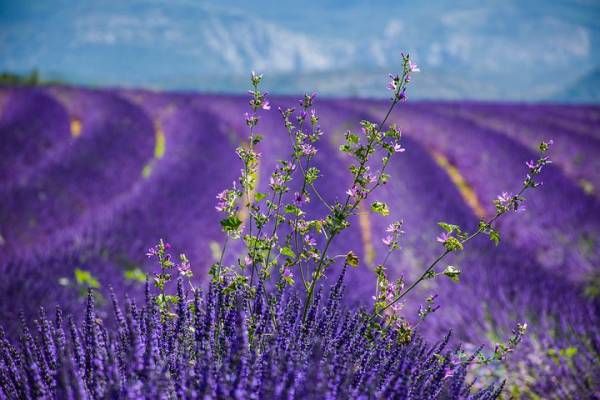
90	179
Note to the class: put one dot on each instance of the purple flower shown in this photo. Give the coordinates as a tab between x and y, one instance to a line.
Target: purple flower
505	198
307	101
388	240
531	164
308	149
151	252
185	268
276	181
250	119
412	67
395	227
402	94
310	240
393	83
443	237
98	360
222	201
352	192
287	273
398	148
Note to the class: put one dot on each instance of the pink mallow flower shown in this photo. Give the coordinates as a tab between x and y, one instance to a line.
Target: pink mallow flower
443	237
287	274
412	67
221	201
308	150
151	252
505	198
352	191
185	268
398	148
310	240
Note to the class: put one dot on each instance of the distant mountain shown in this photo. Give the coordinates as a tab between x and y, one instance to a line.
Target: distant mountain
585	89
503	50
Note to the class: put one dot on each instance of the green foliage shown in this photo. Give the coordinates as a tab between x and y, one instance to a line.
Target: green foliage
494	236
294	210
135	275
453	244
452	273
449	227
380	208
311	175
352	259
10	79
258	196
231	224
85	278
288	252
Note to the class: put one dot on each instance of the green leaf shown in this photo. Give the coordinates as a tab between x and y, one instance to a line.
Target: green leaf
172	299
311	175
495	236
83	277
449	227
352	259
380	208
429	275
231	223
569	352
257	139
452	273
453	244
344	148
292	209
258	196
135	274
286	251
352	138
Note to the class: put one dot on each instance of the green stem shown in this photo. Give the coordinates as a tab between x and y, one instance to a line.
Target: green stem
313	282
446	252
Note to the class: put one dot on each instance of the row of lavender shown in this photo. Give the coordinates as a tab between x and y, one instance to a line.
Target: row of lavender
91	178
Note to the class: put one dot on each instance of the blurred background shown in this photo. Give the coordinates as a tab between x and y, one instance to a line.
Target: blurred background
119	122
494	50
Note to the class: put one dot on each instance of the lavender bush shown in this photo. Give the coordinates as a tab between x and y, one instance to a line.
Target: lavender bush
213	348
254	334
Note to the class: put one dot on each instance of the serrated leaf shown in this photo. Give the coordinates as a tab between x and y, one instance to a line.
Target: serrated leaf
83	277
231	223
380	208
258	196
352	138
452	273
292	209
569	352
495	236
352	259
286	251
449	227
135	274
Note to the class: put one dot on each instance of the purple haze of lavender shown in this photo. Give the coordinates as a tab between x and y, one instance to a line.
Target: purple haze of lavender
524	289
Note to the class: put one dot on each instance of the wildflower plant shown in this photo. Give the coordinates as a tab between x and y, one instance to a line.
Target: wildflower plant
264	327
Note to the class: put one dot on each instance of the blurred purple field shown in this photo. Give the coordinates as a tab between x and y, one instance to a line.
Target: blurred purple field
89	179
